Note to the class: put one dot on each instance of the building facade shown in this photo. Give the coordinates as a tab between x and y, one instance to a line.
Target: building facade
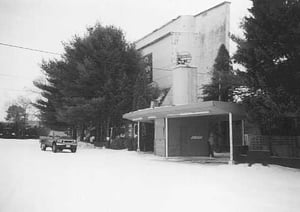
180	56
199	36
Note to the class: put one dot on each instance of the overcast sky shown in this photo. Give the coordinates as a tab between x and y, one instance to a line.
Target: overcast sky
44	24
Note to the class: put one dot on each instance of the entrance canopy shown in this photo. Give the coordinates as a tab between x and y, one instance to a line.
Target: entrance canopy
199	109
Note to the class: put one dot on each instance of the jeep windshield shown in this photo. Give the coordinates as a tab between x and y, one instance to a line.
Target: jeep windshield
61	134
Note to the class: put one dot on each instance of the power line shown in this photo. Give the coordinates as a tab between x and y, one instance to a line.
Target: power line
48	52
12	90
27	90
30	49
15	76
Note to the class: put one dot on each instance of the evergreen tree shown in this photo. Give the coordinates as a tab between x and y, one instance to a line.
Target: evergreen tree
144	92
52	96
17	115
93	83
223	81
270	53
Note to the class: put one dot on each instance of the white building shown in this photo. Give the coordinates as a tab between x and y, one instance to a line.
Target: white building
183	122
199	35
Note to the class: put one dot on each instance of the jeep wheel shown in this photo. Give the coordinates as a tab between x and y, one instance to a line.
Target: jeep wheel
54	147
73	149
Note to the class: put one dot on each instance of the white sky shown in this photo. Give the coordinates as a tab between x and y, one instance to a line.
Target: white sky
44	24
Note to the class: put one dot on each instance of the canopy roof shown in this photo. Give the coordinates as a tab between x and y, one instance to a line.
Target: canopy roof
199	109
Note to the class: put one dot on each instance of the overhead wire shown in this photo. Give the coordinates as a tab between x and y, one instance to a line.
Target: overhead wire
54	53
49	52
15	76
14	90
30	49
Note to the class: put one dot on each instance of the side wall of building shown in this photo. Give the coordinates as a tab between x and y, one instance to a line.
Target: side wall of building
162	61
159	137
212	28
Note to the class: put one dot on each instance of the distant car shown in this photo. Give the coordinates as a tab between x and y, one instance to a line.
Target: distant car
58	141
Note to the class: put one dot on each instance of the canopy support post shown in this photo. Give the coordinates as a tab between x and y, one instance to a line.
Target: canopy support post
230	139
243	132
138	136
167	137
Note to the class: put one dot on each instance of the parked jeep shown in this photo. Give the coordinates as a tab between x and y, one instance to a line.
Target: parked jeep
58	140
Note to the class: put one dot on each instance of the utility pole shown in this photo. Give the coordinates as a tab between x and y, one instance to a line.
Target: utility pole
219	88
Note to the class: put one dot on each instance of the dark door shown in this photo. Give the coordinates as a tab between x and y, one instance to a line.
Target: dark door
192	142
184	144
147	137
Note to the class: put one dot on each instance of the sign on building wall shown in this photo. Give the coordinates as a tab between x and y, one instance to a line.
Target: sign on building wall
183	58
148	68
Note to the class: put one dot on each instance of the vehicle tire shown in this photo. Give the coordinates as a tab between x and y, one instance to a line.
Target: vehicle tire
54	147
73	149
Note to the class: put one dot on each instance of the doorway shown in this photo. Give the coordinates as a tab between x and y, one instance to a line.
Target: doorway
192	142
147	137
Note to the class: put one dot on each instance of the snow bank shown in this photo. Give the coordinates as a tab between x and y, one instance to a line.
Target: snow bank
85	145
95	179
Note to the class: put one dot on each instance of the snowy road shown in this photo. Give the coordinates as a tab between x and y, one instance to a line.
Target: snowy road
108	180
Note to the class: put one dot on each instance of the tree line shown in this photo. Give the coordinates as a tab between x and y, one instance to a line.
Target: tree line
21	120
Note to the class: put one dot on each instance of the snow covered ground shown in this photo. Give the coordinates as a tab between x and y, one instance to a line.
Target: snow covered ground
110	180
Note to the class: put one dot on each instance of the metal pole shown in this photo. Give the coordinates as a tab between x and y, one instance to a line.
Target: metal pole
138	137
230	139
167	138
219	94
243	132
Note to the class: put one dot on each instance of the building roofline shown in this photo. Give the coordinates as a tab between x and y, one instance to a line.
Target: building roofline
147	35
218	5
156	40
207	108
175	19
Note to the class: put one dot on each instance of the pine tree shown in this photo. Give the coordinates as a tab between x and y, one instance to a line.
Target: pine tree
144	92
52	99
17	115
270	53
223	81
93	83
